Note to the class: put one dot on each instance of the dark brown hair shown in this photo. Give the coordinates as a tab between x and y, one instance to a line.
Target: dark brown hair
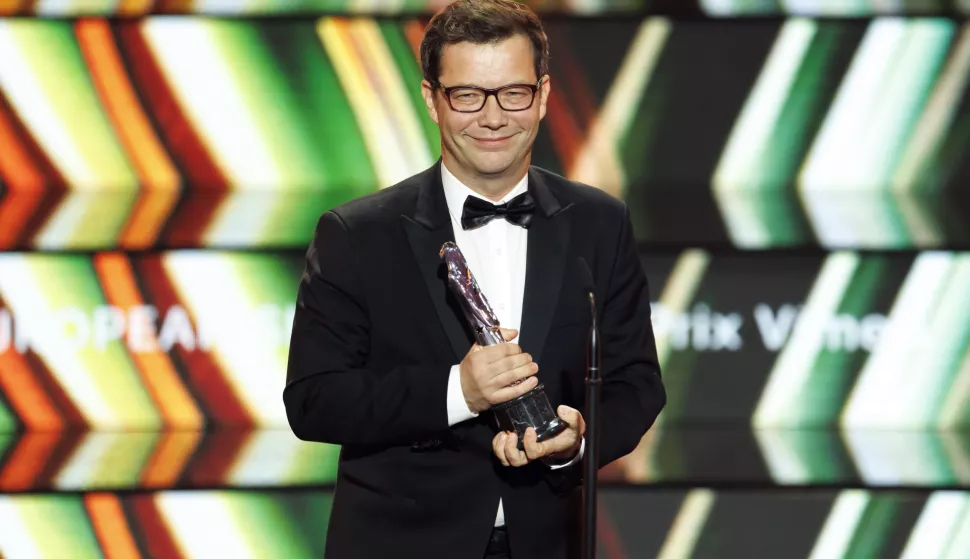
481	22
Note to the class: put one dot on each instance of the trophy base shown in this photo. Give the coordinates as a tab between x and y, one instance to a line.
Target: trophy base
531	409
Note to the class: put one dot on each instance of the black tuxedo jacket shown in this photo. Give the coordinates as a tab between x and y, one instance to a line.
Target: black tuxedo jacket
377	331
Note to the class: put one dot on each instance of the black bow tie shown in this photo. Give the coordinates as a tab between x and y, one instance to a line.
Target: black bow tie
478	212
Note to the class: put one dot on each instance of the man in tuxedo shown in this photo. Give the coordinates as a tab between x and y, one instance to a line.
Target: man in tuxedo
381	359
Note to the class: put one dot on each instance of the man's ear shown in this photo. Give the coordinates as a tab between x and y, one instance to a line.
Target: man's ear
544	89
428	93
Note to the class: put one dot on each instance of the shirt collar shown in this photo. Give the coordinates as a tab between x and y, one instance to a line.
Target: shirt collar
456	192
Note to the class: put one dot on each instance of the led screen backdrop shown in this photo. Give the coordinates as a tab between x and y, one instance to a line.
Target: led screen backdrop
72	461
711	8
700	523
189	132
183	339
799	187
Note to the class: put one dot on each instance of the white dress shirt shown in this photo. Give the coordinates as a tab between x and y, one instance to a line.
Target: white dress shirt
496	255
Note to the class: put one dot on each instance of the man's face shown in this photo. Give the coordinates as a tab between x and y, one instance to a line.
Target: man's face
491	143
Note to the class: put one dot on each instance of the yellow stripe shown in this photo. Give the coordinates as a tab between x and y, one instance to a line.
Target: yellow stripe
109	459
376	124
57	102
391	88
599	162
212	288
89	364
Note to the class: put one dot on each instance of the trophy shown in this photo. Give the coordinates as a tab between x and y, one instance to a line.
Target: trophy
531	409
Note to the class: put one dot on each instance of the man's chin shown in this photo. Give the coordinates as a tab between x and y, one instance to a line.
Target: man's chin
493	167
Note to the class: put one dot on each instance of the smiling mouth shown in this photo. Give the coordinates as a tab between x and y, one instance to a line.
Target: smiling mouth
491	140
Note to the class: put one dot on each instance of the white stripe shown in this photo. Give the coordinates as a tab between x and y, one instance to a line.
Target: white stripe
938	116
106	459
22	293
598	162
413	146
887	380
907	79
749	145
82	467
267	458
202	524
751	136
249	345
942	514
840	526
781	404
243	218
60	227
884	457
720	7
372	116
86	220
780	449
688	525
74	7
960	543
229	7
679	291
958	399
834	159
837	160
190	54
29	99
15	539
940	361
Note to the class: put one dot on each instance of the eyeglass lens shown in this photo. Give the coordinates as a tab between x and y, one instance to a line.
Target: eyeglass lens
509	98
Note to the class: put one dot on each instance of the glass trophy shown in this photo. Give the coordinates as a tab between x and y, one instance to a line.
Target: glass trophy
531	409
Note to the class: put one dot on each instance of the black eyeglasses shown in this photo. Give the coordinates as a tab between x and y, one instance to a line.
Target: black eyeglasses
471	99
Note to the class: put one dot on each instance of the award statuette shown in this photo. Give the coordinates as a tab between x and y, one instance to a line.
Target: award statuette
531	409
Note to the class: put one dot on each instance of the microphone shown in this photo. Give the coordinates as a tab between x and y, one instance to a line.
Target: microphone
593	387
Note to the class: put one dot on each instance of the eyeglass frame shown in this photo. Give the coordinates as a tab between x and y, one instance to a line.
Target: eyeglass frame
491	93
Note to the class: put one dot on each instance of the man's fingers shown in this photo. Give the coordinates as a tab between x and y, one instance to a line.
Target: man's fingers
571	416
582	424
513	392
495	353
508	363
520	371
498	447
515	456
534	450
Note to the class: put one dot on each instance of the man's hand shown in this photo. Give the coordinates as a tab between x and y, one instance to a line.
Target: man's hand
562	447
497	373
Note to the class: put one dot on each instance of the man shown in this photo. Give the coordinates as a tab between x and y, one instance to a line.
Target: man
382	362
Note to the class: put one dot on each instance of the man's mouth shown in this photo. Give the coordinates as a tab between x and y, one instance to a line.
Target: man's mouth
491	141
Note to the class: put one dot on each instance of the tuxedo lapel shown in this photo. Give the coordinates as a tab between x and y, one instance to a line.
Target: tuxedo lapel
545	265
426	232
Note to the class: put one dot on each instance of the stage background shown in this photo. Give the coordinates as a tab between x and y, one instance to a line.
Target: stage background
799	178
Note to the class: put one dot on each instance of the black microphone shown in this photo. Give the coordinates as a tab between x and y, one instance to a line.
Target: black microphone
593	386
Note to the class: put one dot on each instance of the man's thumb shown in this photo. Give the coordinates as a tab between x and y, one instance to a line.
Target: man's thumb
509	334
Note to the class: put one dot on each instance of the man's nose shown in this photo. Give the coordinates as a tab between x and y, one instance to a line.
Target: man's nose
492	115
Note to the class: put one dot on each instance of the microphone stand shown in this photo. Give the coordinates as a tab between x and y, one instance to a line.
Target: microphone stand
591	454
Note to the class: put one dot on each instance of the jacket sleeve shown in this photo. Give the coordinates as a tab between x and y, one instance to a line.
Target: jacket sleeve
632	392
330	395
